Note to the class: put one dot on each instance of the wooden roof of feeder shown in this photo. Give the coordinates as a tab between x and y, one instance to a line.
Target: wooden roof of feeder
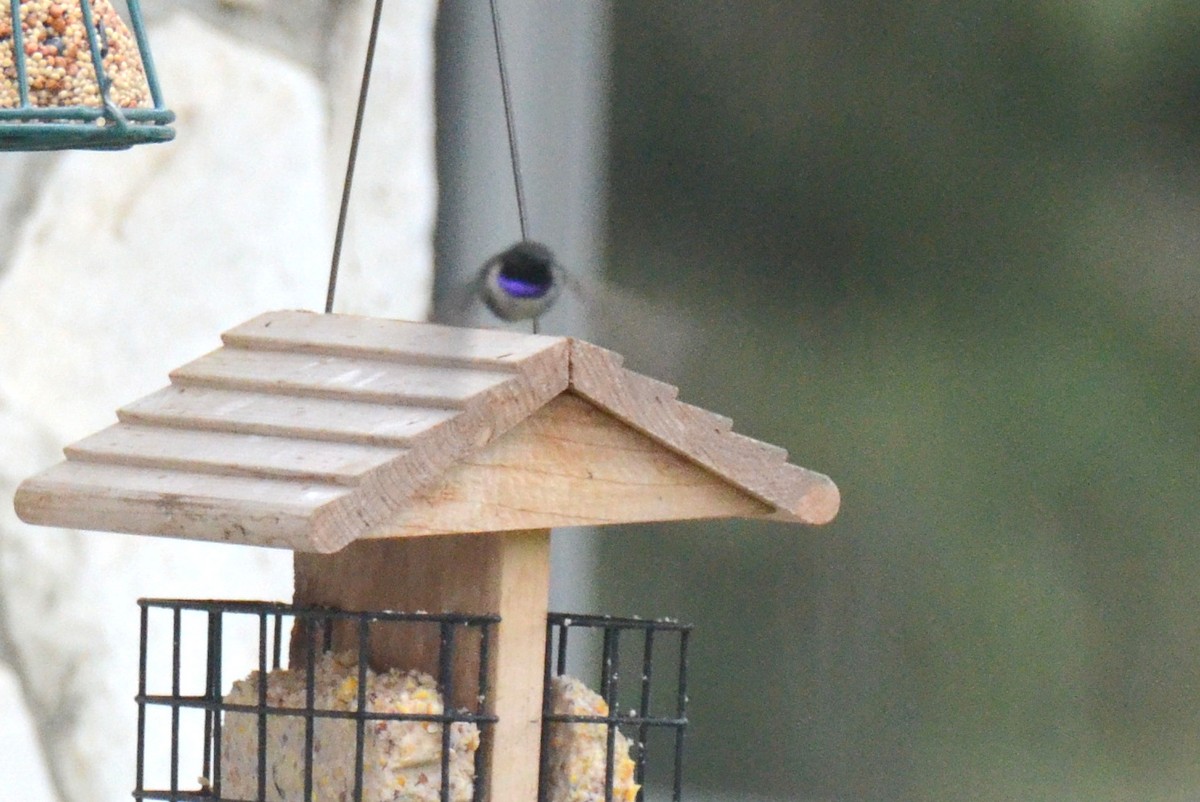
309	432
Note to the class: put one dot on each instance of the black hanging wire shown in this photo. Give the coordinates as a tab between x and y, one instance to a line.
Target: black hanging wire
353	159
511	124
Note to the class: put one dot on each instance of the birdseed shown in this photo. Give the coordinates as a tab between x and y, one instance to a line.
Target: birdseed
58	57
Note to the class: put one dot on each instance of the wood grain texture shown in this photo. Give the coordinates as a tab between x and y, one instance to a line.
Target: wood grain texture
243	412
507	574
407	422
375	338
569	464
486	416
758	468
325	376
378	408
223	453
117	498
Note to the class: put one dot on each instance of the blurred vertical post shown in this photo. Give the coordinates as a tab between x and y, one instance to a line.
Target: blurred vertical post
556	55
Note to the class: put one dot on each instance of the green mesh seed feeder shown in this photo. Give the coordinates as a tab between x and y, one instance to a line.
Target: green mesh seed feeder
50	97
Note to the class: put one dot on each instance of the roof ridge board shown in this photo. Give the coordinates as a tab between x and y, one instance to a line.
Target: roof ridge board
167	407
749	464
269	456
488	415
396	338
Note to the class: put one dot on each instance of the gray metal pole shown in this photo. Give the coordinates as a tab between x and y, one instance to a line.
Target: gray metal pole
557	61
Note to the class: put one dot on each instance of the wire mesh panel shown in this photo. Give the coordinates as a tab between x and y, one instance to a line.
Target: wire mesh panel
312	720
585	752
77	74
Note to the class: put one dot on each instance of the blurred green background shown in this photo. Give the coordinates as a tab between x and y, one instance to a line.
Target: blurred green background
947	254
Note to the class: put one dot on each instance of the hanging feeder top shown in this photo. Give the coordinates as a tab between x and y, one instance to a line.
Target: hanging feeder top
310	431
50	98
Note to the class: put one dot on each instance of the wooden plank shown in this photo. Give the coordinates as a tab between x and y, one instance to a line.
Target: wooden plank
507	574
570	464
755	467
718	423
212	409
659	390
769	453
231	454
282	406
522	574
259	512
337	377
485	418
817	506
426	343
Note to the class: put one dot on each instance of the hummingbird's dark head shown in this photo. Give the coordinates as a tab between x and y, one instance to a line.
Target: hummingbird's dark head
526	270
521	282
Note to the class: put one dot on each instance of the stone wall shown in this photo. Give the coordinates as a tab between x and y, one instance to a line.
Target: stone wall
118	267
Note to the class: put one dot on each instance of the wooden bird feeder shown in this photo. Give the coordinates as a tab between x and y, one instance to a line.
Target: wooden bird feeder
418	467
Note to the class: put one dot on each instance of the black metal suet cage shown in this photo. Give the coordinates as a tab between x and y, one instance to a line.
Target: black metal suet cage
77	75
184	700
212	619
645	717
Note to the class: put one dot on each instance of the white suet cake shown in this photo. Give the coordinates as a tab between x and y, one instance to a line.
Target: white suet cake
401	759
578	759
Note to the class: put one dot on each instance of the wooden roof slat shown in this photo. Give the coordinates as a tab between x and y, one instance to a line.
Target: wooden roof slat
213	409
755	467
769	452
231	454
660	390
423	343
337	377
292	496
813	497
711	420
116	498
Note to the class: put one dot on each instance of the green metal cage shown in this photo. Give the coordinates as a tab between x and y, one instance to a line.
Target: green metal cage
51	52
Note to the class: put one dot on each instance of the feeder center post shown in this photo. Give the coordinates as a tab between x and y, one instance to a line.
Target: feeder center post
506	574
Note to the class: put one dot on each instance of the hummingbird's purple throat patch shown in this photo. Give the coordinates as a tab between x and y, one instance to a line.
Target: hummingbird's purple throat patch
519	288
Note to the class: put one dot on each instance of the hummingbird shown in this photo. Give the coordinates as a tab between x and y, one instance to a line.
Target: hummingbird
522	282
525	280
